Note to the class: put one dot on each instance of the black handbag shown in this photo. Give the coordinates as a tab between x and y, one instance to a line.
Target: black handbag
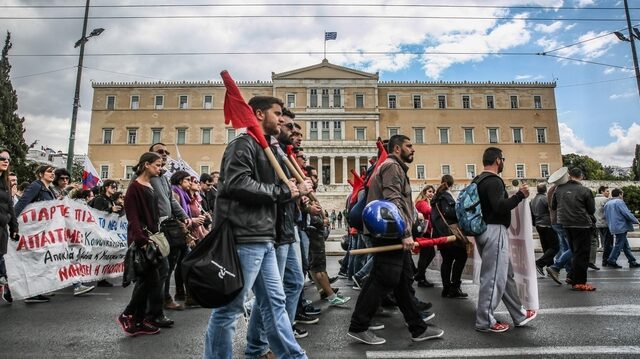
212	272
175	232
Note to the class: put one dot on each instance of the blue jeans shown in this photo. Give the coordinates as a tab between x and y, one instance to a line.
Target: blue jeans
367	263
261	275
563	260
606	239
622	244
293	281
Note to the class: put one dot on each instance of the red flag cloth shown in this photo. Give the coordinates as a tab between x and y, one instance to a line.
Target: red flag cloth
383	156
238	112
357	185
428	242
289	150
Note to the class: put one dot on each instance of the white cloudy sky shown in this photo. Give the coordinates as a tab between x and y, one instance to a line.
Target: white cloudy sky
598	104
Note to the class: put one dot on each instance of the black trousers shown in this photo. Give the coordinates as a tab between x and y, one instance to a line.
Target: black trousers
391	272
550	246
146	286
580	241
454	258
175	257
426	256
155	301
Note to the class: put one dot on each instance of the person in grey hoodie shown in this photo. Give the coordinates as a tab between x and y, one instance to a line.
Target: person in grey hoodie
606	238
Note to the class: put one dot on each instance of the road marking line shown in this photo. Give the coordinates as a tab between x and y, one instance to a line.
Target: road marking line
490	352
626	310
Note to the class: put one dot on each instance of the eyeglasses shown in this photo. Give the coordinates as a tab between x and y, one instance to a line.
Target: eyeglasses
64	178
163	152
5	159
288	125
503	159
302	156
115	186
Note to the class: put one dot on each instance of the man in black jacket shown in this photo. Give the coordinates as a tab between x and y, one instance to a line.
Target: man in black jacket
249	194
542	220
496	275
576	206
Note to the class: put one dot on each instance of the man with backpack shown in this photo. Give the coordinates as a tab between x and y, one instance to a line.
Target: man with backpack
496	273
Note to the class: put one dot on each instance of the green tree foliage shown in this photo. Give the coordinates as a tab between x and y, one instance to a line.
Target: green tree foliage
592	169
12	125
632	198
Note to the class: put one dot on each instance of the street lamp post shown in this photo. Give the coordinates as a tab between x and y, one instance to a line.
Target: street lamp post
76	97
633	45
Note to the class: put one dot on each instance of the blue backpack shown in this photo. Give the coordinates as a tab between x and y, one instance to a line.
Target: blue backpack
468	209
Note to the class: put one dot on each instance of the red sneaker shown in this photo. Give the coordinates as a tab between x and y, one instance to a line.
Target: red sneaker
583	288
125	322
530	315
496	328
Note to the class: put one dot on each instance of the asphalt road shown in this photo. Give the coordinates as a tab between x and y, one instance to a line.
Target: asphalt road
570	324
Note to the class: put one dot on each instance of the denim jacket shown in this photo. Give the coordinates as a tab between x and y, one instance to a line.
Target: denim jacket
618	216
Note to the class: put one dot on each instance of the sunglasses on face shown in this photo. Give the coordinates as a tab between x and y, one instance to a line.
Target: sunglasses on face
304	158
288	125
2	158
163	152
64	178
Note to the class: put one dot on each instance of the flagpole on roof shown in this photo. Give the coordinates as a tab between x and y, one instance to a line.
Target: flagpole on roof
325	44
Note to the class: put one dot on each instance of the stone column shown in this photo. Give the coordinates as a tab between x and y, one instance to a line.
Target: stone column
320	170
357	165
332	171
345	173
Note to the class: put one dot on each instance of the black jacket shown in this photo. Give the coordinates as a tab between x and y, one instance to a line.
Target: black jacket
285	230
7	217
249	192
101	203
494	200
36	192
447	205
540	211
575	205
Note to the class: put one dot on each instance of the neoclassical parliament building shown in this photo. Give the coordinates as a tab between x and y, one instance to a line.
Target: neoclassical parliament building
342	112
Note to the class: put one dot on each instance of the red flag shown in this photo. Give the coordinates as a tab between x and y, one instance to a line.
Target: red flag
381	158
238	112
357	184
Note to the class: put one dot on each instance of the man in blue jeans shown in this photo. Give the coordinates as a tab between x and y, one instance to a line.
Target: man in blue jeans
620	221
248	195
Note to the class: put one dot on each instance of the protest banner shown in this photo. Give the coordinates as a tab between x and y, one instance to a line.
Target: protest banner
64	242
522	256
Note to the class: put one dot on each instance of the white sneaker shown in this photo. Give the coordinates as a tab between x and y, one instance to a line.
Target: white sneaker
82	289
3	281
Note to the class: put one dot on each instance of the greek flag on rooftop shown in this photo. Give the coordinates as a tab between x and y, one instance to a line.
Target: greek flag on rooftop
330	35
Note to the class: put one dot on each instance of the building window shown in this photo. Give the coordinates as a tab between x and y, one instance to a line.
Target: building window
517	135
544	170
337	98
490	103
111	103
420	172
159	103
445	170
156	134
104	171
291	100
444	135
471	171
132	136
359	100
468	136
493	135
231	134
183	102
106	135
419	135
514	101
337	130
392	101
417	101
206	136
537	102
181	136
208	102
325	98
313	130
326	130
393	131
442	101
466	101
204	169
313	98
520	170
541	135
135	102
128	172
360	134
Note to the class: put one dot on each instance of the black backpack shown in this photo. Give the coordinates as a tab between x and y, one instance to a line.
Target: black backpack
212	272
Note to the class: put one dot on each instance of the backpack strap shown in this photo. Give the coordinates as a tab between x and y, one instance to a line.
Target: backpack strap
481	177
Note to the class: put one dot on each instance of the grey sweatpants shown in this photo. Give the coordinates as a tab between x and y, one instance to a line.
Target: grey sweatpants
496	278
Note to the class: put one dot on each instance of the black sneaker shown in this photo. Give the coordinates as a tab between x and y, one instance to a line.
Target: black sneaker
614	265
634	265
6	294
311	310
125	321
299	332
423	283
431	332
422	306
144	328
104	283
161	321
593	266
342	275
37	299
540	270
305	319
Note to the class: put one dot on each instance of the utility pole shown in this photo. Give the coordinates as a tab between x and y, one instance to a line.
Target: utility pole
76	97
633	46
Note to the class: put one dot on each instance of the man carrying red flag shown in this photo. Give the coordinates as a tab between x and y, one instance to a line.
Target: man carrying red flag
248	195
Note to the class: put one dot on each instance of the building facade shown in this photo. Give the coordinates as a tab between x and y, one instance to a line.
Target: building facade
342	112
